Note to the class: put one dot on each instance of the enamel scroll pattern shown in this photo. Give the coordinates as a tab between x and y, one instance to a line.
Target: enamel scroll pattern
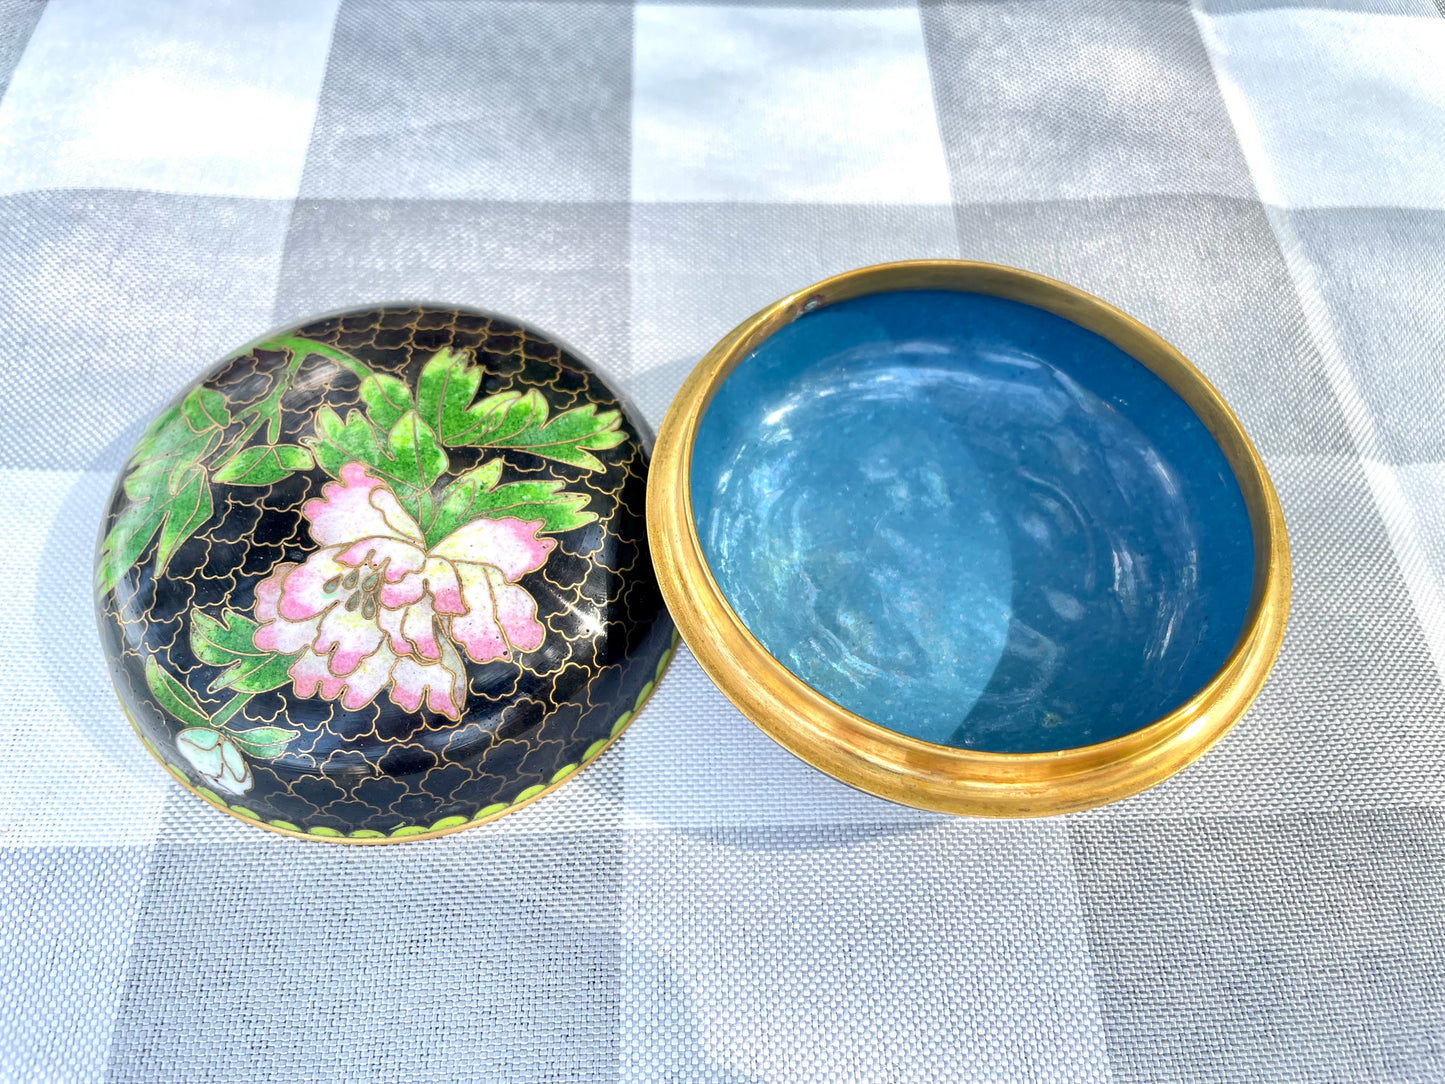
382	575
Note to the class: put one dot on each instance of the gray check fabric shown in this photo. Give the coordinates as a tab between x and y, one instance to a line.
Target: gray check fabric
1262	182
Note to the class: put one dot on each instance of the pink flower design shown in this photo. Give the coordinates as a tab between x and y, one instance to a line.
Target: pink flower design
376	606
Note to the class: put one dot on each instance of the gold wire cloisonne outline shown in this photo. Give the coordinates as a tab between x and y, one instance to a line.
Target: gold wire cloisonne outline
408	833
909	770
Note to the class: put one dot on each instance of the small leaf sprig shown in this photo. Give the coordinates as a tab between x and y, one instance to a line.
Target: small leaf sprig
207	738
169	489
169	484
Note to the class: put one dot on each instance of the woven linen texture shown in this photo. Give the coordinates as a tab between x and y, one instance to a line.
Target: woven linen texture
1261	182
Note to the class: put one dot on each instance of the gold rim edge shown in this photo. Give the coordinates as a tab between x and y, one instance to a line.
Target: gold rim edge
649	689
908	770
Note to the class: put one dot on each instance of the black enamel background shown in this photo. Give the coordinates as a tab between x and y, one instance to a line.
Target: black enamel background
382	768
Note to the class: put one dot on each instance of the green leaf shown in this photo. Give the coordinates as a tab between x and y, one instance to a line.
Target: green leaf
418	504
173	449
264	742
511	419
268	411
386	398
338	443
167	429
477	494
417	458
445	390
229	643
189	507
205	409
499	418
127	539
174	502
158	479
411	458
425	507
223	715
264	464
173	696
571	436
167	484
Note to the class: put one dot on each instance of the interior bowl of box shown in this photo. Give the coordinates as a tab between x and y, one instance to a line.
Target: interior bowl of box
972	522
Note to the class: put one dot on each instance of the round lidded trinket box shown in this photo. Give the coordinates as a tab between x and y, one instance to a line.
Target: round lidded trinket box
384	575
969	539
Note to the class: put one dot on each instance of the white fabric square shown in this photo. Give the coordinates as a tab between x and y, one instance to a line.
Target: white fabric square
1336	108
783	105
75	773
169	96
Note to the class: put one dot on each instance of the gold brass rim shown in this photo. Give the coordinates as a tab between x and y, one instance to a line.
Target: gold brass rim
909	770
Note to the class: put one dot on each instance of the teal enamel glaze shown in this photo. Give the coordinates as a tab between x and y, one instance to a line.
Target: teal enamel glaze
973	522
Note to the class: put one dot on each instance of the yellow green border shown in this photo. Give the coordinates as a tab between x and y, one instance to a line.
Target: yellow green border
406	833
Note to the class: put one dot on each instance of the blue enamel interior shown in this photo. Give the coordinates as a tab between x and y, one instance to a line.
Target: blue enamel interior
972	521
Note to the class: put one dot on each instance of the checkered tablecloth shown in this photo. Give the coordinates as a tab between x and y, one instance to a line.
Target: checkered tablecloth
1262	182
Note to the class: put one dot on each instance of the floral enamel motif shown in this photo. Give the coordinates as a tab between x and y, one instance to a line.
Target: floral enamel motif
376	607
366	515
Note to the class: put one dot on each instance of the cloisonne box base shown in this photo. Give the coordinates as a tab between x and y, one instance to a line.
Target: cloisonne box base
969	539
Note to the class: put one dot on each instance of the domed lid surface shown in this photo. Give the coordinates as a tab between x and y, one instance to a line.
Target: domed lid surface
383	575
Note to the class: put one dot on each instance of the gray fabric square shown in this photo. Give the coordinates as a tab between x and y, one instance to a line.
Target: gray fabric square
1381	272
123	295
954	951
481	957
1293	948
1353	713
698	270
1423	486
17	20
560	267
494	99
69	913
1203	271
825	5
1059	99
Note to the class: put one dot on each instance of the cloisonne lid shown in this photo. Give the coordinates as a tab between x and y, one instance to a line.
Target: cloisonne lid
383	575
